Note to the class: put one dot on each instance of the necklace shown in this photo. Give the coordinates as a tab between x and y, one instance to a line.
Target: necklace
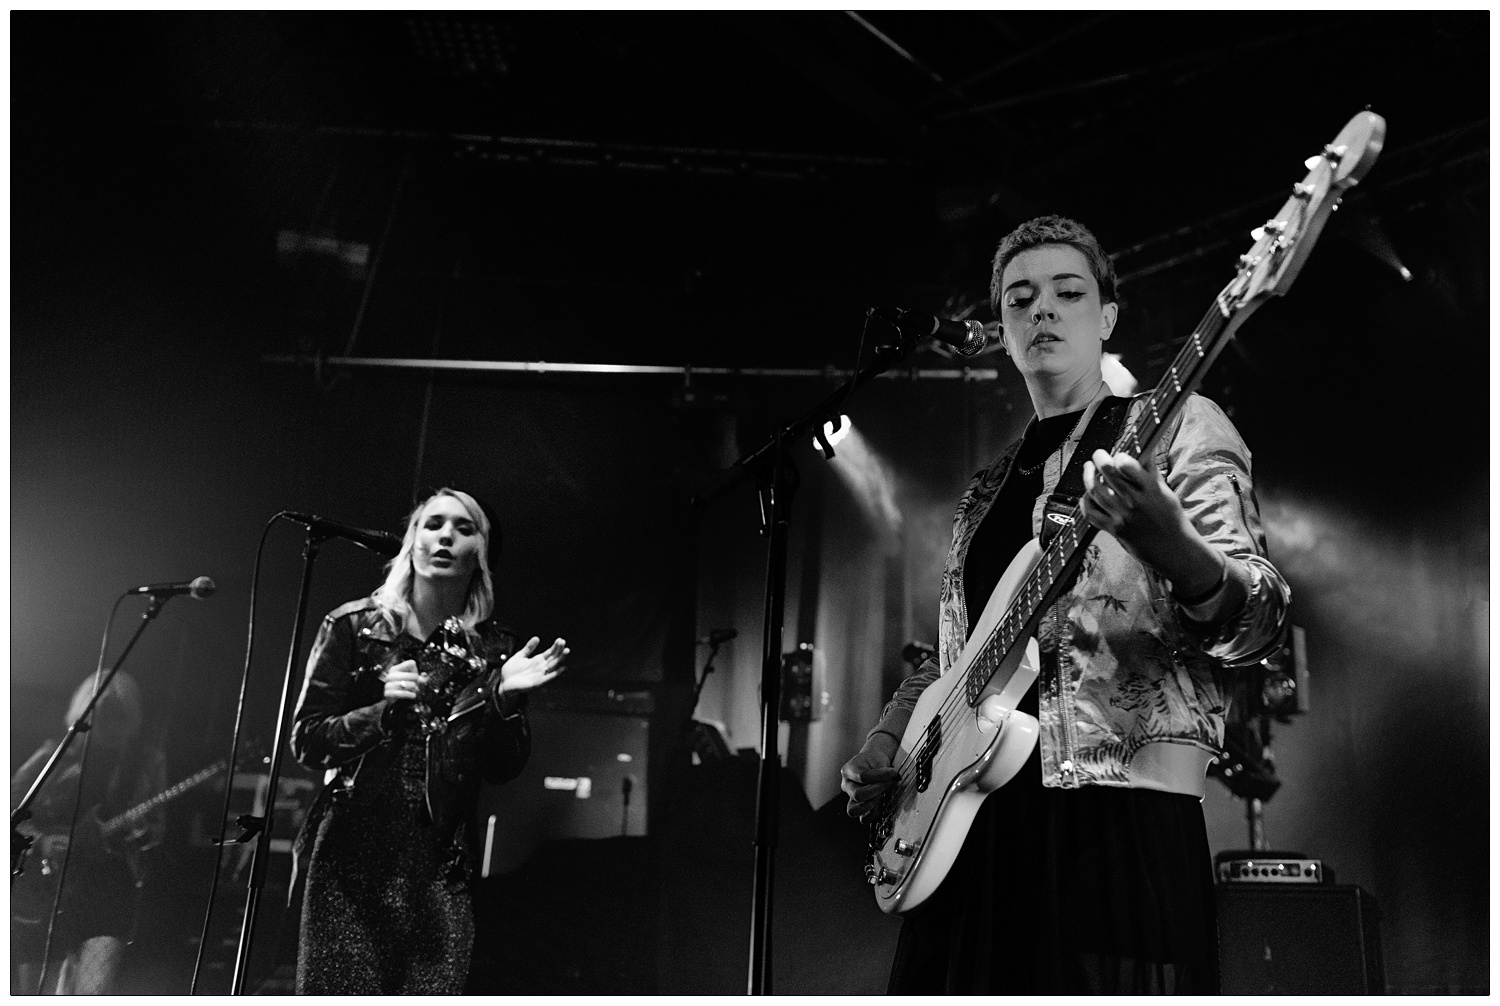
1038	466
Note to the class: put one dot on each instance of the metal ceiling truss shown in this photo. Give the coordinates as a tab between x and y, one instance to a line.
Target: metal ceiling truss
553	152
1443	153
542	368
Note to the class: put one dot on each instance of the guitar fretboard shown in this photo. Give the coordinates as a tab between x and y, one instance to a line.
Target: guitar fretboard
167	794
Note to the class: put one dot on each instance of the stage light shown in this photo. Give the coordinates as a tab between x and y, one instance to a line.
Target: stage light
1369	233
1279	683
832	437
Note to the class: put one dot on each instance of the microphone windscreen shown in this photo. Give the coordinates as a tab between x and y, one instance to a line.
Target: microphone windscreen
203	587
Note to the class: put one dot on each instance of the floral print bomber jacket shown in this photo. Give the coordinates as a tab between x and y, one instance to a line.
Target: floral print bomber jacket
1133	686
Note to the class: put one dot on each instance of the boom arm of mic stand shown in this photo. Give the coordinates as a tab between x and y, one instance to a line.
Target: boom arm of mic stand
768	464
886	356
708	668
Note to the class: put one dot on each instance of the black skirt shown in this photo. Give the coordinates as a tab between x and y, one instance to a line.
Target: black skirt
1096	890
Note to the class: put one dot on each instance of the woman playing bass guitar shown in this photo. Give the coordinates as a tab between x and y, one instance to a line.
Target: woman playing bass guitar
1089	871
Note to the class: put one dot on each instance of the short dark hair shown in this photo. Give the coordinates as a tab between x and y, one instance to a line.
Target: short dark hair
1053	230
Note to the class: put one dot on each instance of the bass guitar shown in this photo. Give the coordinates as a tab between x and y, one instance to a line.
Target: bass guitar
966	738
34	890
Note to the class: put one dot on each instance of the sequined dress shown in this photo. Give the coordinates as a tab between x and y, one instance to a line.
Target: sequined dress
387	907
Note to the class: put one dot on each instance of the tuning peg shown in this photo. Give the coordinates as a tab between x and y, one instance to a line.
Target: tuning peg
1270	227
1300	191
1330	153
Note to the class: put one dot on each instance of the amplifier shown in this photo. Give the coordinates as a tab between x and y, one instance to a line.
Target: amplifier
1290	939
1270	871
588	775
620	700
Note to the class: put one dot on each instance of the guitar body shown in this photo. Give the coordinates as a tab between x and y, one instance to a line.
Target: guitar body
33	891
957	755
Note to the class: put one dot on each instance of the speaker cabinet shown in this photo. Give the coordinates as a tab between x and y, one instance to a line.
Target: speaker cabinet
586	777
1289	939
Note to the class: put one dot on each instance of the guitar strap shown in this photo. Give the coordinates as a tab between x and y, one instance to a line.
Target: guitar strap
1102	433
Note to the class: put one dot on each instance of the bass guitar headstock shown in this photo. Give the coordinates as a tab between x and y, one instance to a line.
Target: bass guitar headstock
1283	243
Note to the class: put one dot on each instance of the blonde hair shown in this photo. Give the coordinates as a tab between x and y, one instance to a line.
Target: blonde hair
394	595
120	703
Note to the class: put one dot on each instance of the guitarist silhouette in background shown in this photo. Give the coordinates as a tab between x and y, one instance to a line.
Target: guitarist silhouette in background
96	916
1089	871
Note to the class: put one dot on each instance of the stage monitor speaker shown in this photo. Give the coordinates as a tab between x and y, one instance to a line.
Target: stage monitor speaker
586	778
1295	939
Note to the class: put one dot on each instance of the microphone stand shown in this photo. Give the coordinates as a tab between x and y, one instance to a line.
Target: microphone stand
708	668
259	827
770	465
20	844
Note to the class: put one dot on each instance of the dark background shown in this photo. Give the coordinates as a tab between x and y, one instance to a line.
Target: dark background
732	190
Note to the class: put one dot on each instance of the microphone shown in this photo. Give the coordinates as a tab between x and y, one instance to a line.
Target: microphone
379	542
968	338
200	588
719	637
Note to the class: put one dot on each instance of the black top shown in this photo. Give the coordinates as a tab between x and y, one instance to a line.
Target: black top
1007	527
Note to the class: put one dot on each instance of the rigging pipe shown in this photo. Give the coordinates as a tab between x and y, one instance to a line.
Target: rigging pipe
542	367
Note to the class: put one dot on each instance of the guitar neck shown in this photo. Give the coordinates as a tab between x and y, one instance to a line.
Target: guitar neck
1063	556
171	793
1184	375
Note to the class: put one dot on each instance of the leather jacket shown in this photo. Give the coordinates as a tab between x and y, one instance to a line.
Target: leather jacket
344	725
1133	686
